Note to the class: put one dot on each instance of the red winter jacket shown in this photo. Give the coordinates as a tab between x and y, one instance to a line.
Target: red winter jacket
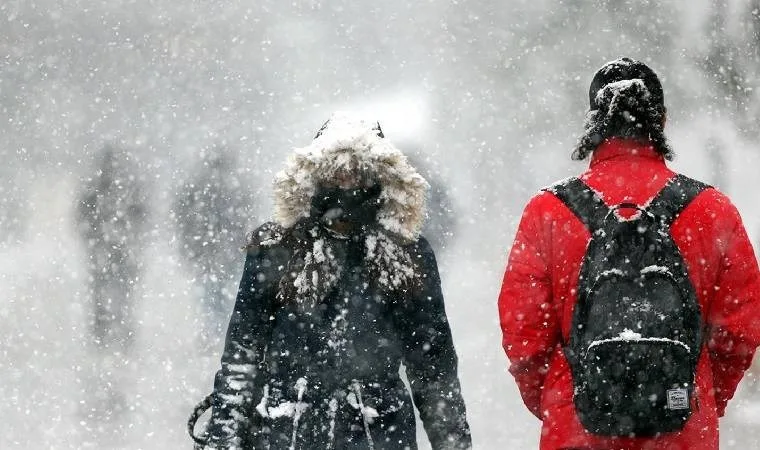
539	292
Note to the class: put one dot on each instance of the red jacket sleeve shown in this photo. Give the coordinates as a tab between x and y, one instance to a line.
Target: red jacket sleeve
733	319
529	324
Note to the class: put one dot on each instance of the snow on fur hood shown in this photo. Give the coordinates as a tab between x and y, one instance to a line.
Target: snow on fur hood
350	145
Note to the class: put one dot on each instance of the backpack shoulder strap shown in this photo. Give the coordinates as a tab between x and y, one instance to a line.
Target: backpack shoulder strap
678	192
583	201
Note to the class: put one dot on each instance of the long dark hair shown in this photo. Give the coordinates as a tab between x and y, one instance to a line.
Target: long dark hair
626	100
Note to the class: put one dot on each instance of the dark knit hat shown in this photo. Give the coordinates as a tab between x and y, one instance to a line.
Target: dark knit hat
625	69
626	101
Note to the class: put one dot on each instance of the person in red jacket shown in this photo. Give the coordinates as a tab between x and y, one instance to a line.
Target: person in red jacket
544	277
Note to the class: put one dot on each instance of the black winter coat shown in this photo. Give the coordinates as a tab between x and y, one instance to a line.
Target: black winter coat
328	376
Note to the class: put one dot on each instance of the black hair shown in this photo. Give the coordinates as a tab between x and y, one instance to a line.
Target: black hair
626	100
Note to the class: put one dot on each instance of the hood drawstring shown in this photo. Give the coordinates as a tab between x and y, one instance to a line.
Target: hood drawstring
300	407
367	413
261	408
331	413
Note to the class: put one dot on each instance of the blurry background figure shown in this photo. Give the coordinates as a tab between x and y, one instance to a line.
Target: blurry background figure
212	211
440	223
112	222
13	209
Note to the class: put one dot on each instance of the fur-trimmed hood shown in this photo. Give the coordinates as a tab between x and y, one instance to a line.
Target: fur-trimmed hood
350	145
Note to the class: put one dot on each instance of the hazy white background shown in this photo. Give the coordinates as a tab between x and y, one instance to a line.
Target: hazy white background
489	95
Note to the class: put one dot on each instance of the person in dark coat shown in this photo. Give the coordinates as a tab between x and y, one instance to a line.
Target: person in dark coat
336	296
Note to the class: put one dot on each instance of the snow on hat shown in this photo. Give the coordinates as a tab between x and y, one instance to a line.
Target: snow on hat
348	144
625	69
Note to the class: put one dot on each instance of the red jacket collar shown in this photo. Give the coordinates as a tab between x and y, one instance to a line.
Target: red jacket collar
624	149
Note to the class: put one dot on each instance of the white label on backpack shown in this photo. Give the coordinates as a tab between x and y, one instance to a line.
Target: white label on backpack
678	399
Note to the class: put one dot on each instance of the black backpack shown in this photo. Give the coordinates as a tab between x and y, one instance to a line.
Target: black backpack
637	330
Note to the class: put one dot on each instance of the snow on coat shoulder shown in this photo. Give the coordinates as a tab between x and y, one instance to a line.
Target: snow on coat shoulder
351	145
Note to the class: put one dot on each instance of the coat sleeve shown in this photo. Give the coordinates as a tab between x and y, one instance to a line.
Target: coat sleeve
237	386
530	328
733	321
430	357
